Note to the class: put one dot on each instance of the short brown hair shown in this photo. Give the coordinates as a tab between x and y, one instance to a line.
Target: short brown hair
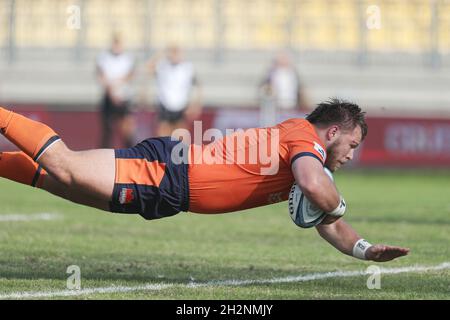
339	112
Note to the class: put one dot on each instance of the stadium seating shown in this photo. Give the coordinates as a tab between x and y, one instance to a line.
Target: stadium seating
55	64
306	24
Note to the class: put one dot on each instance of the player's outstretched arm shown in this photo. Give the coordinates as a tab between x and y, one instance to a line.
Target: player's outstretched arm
315	184
344	238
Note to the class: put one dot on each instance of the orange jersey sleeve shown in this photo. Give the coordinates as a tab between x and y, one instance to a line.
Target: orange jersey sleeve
298	139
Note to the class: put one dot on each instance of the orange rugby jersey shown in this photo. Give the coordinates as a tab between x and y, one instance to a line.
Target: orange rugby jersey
249	168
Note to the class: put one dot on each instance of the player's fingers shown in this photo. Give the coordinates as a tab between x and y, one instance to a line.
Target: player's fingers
400	249
395	254
379	248
396	248
398	253
383	253
379	251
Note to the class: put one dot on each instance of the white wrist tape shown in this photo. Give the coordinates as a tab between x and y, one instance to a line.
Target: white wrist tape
340	209
360	248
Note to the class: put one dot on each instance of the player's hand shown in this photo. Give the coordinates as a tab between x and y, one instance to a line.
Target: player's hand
382	253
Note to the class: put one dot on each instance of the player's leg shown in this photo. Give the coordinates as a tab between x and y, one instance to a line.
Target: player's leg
164	129
127	127
90	172
73	193
171	121
110	114
106	131
107	124
19	167
147	182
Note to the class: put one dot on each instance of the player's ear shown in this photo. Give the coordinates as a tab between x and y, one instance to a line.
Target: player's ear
333	132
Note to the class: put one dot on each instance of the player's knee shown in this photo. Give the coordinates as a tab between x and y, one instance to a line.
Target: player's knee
68	179
63	175
61	168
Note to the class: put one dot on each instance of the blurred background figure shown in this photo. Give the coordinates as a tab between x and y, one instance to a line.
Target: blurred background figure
282	84
395	65
178	90
115	70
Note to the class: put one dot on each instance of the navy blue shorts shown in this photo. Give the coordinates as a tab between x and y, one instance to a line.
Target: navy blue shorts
148	182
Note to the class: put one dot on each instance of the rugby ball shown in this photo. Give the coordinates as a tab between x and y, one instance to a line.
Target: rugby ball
303	213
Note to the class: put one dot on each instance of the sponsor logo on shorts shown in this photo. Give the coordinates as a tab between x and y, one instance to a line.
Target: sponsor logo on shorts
126	196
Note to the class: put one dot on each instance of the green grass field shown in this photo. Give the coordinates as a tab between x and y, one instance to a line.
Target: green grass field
116	251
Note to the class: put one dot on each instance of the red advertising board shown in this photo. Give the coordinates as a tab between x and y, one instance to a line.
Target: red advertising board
391	142
406	142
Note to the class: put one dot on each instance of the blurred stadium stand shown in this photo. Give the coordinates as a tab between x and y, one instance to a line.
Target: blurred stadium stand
405	65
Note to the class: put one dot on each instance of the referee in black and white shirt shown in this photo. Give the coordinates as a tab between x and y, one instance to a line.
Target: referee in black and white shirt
115	70
178	91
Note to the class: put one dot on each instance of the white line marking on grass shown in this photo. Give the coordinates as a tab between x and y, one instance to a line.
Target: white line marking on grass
72	293
320	276
162	286
28	217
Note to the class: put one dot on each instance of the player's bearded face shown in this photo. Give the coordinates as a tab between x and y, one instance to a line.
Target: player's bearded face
335	155
341	150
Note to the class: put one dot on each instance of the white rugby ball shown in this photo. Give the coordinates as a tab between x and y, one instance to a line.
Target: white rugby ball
303	213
